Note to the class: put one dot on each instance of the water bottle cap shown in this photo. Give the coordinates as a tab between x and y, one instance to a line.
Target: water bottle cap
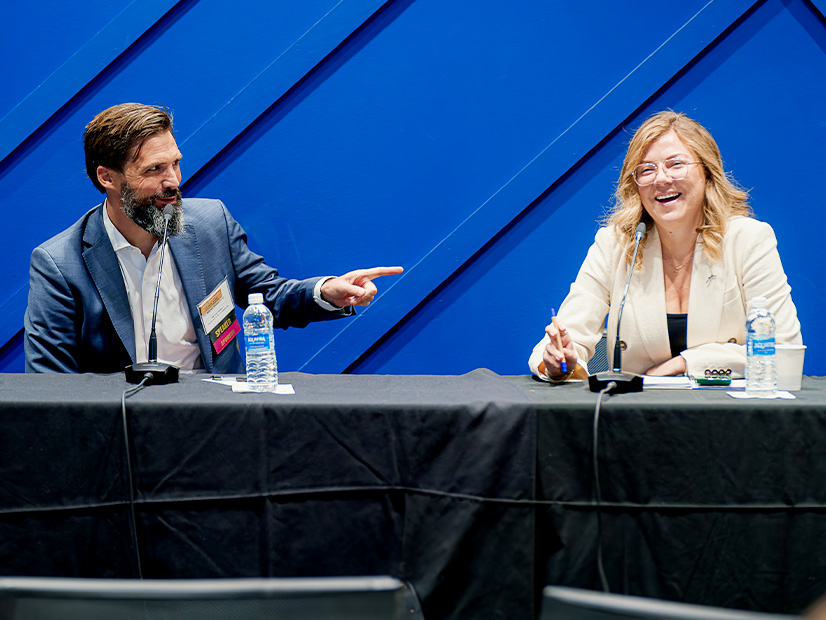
758	302
255	298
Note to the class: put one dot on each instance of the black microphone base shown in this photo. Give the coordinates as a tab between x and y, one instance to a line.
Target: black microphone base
625	382
160	373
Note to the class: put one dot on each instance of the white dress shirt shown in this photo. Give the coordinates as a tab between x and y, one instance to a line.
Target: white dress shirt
175	331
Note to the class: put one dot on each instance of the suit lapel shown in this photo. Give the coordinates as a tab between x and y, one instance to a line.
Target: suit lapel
187	256
104	270
648	301
705	298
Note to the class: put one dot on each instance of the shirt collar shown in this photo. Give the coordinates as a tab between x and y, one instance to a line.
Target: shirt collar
119	242
117	239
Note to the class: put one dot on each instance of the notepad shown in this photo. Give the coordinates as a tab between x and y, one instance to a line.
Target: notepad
666	383
243	386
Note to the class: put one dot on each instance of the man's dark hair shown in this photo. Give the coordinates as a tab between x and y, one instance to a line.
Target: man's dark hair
116	135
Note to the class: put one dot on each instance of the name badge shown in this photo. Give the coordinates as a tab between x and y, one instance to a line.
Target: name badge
218	318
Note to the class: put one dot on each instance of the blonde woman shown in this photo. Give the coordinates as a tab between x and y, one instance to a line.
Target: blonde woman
702	259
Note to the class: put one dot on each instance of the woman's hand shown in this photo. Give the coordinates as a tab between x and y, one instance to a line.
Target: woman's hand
553	356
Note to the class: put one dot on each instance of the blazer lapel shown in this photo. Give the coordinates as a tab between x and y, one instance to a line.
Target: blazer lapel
104	270
187	256
705	298
647	302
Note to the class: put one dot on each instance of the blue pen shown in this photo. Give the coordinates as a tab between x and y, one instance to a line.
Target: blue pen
559	340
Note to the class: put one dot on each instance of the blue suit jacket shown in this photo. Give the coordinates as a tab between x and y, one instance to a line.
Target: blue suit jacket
78	317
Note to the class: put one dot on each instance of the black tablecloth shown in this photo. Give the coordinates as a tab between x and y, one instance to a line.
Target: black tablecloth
423	478
706	498
459	485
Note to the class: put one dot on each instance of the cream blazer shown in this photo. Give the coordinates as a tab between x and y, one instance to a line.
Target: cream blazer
718	296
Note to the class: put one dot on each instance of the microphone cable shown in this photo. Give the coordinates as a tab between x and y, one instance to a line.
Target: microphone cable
133	524
150	367
598	491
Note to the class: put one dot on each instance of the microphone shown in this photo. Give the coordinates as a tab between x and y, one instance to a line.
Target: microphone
153	371
623	382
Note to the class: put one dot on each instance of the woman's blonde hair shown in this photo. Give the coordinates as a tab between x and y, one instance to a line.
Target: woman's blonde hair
724	197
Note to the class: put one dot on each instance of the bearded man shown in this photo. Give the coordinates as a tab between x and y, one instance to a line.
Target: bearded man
92	287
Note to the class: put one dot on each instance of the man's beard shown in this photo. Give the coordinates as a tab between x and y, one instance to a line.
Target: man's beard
146	215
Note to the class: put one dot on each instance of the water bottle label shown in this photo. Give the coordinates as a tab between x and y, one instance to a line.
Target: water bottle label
760	346
259	342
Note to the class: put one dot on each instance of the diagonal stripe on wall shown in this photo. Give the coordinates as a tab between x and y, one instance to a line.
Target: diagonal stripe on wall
93	63
346	133
562	153
74	73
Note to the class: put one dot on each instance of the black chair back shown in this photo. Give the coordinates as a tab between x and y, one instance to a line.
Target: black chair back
561	603
334	598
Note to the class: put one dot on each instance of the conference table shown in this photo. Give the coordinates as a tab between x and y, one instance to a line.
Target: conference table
476	489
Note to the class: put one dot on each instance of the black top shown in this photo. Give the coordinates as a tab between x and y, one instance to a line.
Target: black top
677	330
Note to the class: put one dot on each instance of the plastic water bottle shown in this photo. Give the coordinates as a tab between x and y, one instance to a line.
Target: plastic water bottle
262	370
761	365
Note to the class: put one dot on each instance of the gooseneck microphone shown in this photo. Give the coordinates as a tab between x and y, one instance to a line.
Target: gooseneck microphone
153	371
624	381
153	337
638	235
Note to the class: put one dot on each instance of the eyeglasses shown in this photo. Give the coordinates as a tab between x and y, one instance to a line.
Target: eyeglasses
674	168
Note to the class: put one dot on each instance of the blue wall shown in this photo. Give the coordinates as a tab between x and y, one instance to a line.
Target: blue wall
475	143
